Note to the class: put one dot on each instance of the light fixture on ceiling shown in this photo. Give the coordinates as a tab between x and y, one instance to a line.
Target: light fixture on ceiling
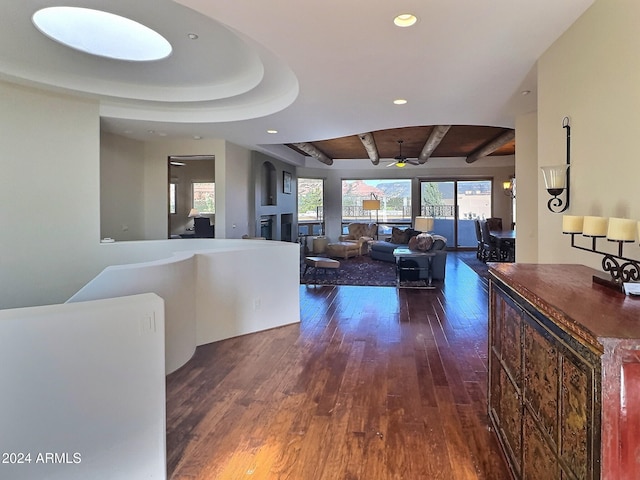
272	131
556	177
192	36
399	101
524	93
197	137
400	159
405	20
101	33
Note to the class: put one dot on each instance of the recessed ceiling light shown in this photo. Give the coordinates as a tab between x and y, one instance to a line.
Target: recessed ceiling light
271	131
197	137
405	20
101	33
192	36
399	101
525	92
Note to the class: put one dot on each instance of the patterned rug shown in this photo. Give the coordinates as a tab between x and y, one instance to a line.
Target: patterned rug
353	271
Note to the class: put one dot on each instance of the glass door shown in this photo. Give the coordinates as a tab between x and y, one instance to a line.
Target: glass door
455	204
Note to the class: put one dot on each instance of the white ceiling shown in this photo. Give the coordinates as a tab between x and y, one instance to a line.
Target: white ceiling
311	70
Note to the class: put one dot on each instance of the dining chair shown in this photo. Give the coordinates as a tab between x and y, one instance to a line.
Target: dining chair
489	244
495	223
479	248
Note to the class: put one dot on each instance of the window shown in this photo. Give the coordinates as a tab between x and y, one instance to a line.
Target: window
310	206
204	197
172	198
394	197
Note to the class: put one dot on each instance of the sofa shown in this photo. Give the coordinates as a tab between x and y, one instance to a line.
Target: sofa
361	234
383	251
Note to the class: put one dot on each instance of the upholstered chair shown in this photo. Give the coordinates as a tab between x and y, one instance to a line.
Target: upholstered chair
360	233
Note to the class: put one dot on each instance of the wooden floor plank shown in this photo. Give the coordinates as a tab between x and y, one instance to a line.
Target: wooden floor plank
374	383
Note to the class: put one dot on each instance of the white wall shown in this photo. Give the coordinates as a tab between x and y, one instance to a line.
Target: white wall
121	188
591	74
499	168
213	289
49	195
85	381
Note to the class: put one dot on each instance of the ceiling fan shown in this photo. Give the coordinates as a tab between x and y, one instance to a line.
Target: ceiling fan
401	160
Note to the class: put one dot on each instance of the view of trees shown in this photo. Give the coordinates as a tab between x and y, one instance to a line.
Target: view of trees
310	198
204	197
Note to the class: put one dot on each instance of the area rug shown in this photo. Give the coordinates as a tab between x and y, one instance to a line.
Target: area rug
353	271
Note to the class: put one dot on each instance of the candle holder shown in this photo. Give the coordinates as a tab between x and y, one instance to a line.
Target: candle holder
620	268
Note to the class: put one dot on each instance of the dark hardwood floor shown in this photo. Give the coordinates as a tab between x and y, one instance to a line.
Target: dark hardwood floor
374	383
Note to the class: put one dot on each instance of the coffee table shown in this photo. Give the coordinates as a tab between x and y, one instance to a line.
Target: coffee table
422	263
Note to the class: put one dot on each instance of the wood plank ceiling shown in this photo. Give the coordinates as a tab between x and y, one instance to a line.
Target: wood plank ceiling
418	144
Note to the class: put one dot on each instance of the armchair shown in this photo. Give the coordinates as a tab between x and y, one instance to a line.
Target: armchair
360	233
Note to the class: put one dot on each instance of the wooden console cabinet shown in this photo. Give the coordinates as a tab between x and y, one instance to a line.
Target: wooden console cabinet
564	373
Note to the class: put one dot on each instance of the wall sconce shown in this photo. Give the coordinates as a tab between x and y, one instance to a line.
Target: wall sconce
556	177
508	186
620	230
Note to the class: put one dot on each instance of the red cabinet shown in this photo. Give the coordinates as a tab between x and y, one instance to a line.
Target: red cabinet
564	373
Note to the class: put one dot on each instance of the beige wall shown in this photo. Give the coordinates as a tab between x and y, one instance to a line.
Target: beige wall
121	192
527	173
592	75
49	195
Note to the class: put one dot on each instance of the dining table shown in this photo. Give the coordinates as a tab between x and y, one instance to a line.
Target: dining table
506	243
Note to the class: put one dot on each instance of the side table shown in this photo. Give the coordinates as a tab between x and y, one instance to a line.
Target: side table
421	264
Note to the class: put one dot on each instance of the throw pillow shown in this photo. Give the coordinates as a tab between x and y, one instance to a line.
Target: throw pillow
421	242
398	236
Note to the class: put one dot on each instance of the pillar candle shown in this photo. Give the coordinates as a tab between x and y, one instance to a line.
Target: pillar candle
622	229
572	224
595	226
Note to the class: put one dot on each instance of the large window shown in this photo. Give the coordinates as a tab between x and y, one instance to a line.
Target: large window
204	197
310	206
394	198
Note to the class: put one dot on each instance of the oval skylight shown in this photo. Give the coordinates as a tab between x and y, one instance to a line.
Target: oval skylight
101	33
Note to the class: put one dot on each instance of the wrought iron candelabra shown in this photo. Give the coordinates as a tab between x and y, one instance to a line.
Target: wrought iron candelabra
618	230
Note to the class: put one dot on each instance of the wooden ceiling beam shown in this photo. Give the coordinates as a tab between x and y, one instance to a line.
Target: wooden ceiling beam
492	146
370	145
315	152
437	134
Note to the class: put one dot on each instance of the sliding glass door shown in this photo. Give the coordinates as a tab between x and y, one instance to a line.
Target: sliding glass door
455	204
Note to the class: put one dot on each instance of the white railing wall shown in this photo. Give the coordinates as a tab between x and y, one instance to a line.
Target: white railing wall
213	289
83	390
